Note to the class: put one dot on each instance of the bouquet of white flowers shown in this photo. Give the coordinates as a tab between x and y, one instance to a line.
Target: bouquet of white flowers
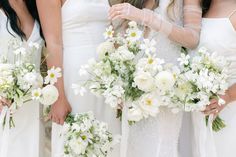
111	75
202	78
155	79
21	82
86	137
128	73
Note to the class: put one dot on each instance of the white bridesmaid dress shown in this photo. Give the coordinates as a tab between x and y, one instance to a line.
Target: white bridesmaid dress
84	22
218	35
25	140
159	136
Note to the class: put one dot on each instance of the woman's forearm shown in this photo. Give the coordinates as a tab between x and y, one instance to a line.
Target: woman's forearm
232	93
52	29
55	58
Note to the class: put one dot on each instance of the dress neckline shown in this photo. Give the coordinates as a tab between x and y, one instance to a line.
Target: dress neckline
215	18
226	19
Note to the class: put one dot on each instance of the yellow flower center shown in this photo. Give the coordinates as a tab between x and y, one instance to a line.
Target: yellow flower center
150	61
84	137
109	33
36	94
133	34
149	102
175	76
52	75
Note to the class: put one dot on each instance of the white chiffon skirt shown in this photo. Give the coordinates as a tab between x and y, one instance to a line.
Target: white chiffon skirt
155	137
207	143
26	138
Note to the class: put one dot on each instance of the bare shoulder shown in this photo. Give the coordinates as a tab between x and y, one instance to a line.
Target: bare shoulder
233	20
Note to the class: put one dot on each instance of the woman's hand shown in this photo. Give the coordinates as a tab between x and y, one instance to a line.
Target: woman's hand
126	11
4	102
215	107
60	110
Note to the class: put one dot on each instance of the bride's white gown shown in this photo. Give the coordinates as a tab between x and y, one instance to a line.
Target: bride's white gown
219	35
25	139
84	22
158	137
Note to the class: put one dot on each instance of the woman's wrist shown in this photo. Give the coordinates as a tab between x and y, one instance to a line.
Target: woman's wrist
227	97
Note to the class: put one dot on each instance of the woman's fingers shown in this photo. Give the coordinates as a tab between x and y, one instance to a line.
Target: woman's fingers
114	13
213	101
118	11
1	107
61	121
210	109
210	112
5	102
55	120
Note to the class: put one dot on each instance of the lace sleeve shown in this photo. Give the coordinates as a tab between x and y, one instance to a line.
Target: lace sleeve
187	35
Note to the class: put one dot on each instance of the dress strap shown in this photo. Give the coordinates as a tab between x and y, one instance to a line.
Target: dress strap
1	12
231	14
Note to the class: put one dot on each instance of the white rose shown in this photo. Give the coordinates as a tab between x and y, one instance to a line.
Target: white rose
134	114
144	81
150	105
165	80
105	48
183	89
50	95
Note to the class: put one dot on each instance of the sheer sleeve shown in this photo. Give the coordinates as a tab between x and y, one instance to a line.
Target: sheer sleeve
187	35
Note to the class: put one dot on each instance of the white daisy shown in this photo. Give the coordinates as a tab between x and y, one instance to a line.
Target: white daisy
36	94
109	32
133	35
53	75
